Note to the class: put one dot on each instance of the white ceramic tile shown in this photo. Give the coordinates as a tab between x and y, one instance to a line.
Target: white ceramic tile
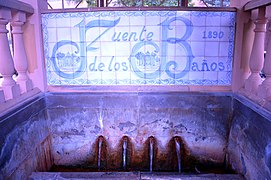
123	49
210	75
213	19
196	75
197	34
153	33
182	62
185	14
117	71
182	21
213	34
198	48
135	77
123	77
211	48
106	34
92	34
92	49
153	20
51	47
171	50
124	20
51	22
181	32
108	49
75	21
226	33
63	22
198	18
182	49
94	76
63	34
227	19
224	76
75	34
109	63
120	34
109	76
223	49
225	63
137	20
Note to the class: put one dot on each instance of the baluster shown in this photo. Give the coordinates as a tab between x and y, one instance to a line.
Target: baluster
2	96
257	54
20	58
11	89
265	87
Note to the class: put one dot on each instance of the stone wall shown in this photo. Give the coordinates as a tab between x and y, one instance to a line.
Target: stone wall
63	129
250	140
200	120
25	146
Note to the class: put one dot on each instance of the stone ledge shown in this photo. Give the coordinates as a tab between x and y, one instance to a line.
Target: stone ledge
129	176
14	103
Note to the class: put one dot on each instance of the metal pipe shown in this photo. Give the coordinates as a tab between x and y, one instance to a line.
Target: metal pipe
99	151
178	151
124	154
151	152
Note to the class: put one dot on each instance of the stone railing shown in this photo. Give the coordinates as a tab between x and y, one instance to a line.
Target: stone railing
12	87
255	86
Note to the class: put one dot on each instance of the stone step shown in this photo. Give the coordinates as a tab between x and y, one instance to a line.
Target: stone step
130	176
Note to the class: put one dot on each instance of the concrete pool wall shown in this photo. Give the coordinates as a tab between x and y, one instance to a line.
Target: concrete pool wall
63	128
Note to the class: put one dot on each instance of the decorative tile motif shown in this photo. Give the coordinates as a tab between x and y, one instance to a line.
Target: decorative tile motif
139	47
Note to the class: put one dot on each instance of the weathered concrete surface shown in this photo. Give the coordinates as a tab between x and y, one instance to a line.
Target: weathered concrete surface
63	129
24	140
76	120
250	140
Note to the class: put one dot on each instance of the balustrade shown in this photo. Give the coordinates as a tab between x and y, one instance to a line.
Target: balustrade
255	87
12	87
20	58
265	87
257	54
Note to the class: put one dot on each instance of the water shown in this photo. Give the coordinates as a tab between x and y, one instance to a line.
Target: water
124	146
151	153
178	151
99	151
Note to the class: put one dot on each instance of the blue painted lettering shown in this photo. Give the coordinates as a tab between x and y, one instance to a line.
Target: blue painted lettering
125	36
213	35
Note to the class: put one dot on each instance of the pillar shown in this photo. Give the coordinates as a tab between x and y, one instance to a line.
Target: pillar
9	86
20	58
265	88
257	54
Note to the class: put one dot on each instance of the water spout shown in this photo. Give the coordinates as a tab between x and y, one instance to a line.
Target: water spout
124	154
100	142
178	151
151	152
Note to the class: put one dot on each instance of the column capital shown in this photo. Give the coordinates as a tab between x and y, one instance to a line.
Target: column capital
17	27
19	17
5	14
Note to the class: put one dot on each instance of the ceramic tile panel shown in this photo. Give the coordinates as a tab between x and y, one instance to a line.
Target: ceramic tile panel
139	47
